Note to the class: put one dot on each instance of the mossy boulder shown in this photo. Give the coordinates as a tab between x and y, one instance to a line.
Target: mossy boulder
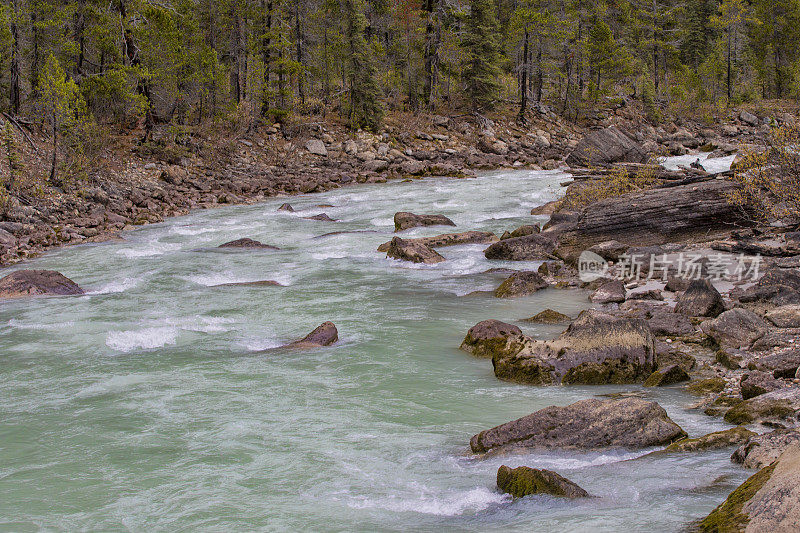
721	405
521	284
597	348
670	356
781	407
712	441
548	316
702	387
667	376
768	501
490	337
524	481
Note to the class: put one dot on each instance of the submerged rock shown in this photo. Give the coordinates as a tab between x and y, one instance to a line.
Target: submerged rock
324	335
521	284
415	252
322	217
761	450
248	243
449	239
700	299
768	501
404	221
286	207
597	348
524	481
713	441
534	247
488	338
24	283
587	424
548	316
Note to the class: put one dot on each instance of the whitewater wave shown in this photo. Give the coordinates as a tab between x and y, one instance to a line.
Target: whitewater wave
453	504
145	339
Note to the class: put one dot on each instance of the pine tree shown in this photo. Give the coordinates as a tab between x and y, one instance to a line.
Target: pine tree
483	55
366	110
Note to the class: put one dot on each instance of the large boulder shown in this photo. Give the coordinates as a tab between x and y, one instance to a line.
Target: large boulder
779	408
316	147
786	316
587	424
669	375
524	481
248	244
415	252
612	291
713	441
404	221
762	450
487	338
521	284
666	323
324	335
700	299
756	383
737	328
651	217
450	239
782	364
777	287
534	247
37	283
768	501
597	348
606	146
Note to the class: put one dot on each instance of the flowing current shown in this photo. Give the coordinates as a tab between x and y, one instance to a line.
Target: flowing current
157	402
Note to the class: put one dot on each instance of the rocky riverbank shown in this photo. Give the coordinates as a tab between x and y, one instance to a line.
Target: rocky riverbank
133	186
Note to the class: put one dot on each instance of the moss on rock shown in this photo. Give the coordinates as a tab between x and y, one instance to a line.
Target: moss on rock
524	481
729	516
719	439
706	386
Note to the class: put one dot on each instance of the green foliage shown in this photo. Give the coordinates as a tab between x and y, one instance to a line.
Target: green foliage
482	70
365	109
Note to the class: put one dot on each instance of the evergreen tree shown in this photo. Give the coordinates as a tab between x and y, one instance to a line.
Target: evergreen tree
482	72
366	110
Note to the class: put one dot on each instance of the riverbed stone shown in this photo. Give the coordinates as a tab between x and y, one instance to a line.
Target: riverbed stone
414	252
665	323
783	364
286	207
521	284
524	481
701	298
548	316
755	383
534	247
780	408
404	221
597	348
487	338
612	291
669	375
450	239
761	450
713	441
736	328
24	283
768	501
248	244
786	316
325	334
587	424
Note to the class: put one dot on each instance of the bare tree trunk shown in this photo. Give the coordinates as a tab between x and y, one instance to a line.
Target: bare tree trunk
15	61
431	51
301	94
266	54
78	36
523	86
55	149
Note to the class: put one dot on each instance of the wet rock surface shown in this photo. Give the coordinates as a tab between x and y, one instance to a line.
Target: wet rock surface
24	283
404	221
524	481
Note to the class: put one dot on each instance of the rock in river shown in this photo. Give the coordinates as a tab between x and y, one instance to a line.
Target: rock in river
450	239
587	424
486	338
521	284
404	221
761	450
768	501
324	335
248	243
37	283
779	408
548	316
415	252
597	348
534	247
713	441
524	481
